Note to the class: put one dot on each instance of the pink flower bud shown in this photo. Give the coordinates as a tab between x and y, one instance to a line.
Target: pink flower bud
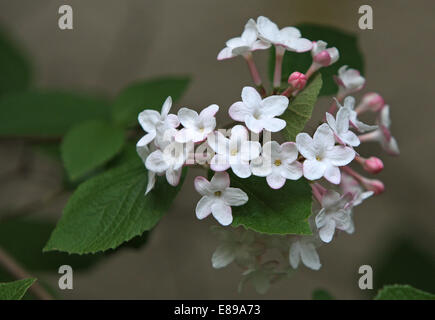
373	185
371	101
323	58
373	165
297	80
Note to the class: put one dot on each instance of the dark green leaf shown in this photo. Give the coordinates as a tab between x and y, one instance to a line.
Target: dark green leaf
47	113
283	211
345	42
403	292
149	94
89	145
15	70
300	109
321	294
15	290
110	209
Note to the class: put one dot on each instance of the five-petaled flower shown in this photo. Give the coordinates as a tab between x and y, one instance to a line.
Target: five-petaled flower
322	156
349	104
336	213
218	198
244	44
277	163
196	127
340	127
349	81
235	152
257	113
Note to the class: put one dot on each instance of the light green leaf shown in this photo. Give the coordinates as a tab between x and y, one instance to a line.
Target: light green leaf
345	42
111	208
149	94
15	290
403	292
283	211
301	108
15	70
47	113
89	145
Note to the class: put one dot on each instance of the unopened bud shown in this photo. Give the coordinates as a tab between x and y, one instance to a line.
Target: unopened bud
371	101
373	165
297	80
373	185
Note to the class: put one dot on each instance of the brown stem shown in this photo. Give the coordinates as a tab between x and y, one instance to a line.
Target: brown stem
18	272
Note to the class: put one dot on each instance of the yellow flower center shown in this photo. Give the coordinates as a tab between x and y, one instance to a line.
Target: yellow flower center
233	152
318	158
278	162
217	193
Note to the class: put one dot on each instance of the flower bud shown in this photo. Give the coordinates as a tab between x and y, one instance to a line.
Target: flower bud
371	101
323	58
373	185
373	165
297	80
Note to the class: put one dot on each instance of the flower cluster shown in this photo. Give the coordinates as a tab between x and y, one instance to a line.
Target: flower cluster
323	158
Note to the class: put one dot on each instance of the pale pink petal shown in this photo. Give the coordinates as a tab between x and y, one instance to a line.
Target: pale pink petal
222	213
203	207
305	145
332	174
241	169
187	117
166	107
148	120
209	112
251	97
220	162
313	169
202	186
289	151
275	181
220	181
291	170
172	120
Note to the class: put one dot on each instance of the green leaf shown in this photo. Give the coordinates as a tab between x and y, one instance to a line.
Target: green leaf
321	294
300	109
149	94
15	290
89	145
24	239
15	74
47	113
403	292
283	211
345	42
111	208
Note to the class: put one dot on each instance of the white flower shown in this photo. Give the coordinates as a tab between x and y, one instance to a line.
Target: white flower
304	249
257	113
152	121
143	152
350	185
322	156
235	245
323	56
169	160
196	127
289	37
335	214
277	163
349	104
247	42
235	152
218	197
349	80
383	134
340	127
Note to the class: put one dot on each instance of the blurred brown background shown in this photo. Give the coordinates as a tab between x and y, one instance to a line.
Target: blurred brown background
116	42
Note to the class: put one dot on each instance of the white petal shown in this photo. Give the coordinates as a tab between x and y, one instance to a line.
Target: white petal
184	135
235	43
202	186
172	120
151	181
148	120
331	121
143	152
305	145
241	169
299	45
220	162
155	162
223	256
166	107
274	124
173	177
291	170
261	166
343	116
340	155
313	169
274	106
239	134
238	111
222	213
234	197
309	256
253	124
289	151
324	136
294	255
251	97
203	207
332	174
187	117
220	181
218	142
267	29
289	33
146	139
275	181
350	138
225	53
209	112
250	150
326	233
249	35
260	45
